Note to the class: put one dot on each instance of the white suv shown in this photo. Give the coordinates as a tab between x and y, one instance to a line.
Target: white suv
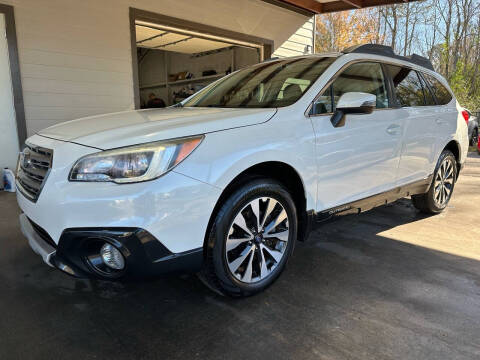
225	182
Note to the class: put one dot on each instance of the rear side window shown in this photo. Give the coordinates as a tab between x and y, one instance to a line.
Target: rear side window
441	93
429	99
407	85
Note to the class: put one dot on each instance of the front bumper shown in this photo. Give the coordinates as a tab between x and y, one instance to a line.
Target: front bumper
174	208
172	212
144	255
38	245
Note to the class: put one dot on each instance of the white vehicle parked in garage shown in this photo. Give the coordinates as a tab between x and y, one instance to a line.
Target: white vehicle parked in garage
228	180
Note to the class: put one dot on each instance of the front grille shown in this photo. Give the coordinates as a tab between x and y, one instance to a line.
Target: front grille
34	164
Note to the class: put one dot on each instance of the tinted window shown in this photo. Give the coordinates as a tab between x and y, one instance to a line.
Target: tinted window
441	93
323	104
429	99
303	84
408	88
266	85
361	77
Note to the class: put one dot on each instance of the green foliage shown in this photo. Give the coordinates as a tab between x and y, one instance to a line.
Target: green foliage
464	85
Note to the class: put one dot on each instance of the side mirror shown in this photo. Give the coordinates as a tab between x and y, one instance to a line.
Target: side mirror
353	103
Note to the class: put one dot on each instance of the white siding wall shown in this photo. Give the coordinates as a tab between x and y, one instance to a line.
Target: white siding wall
301	42
75	57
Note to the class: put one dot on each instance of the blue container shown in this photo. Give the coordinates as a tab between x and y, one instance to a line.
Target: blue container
8	180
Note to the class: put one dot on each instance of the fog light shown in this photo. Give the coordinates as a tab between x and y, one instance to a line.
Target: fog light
112	257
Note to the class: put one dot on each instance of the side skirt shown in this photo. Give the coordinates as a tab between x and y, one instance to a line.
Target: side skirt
356	207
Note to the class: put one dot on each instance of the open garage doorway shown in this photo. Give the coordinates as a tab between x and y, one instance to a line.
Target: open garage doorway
174	58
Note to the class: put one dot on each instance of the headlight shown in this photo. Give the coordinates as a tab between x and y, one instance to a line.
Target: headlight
134	163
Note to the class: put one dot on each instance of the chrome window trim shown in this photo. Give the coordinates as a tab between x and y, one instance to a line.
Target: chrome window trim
379	109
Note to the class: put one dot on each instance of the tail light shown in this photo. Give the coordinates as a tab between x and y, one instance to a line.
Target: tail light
465	115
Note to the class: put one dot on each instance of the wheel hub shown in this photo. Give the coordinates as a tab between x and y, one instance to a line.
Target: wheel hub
444	181
257	239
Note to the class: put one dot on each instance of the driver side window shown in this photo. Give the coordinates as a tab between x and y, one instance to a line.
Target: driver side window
366	77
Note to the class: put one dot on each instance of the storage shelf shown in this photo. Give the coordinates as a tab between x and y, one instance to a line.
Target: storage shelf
181	82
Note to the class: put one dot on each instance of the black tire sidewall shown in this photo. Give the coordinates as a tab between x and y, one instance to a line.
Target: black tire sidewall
223	221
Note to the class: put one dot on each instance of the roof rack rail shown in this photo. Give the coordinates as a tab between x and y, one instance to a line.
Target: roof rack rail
270	59
385	50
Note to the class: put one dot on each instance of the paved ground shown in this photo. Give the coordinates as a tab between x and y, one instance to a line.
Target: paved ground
388	284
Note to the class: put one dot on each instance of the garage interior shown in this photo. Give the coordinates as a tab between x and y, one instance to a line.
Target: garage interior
175	63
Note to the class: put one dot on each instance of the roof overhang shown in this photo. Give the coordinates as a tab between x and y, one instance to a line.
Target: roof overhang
311	7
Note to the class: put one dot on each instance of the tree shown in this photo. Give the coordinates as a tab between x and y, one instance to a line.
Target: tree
445	31
337	31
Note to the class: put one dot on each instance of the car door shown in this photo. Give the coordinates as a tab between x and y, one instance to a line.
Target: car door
445	115
419	121
361	158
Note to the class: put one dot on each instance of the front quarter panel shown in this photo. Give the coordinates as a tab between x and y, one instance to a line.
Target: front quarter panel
174	208
288	138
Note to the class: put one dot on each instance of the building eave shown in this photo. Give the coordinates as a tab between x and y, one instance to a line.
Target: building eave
312	7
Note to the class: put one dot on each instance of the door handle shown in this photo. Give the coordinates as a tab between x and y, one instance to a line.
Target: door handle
439	122
393	129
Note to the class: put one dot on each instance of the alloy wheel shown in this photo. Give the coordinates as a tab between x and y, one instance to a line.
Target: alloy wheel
443	184
257	240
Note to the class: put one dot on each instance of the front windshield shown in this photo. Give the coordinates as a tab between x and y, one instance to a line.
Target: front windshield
266	85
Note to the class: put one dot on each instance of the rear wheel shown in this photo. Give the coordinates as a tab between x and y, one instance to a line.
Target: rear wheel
436	199
251	239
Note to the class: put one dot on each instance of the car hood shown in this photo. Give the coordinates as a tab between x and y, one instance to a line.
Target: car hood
141	126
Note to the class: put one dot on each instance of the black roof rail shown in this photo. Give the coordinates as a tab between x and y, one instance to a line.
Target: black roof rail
385	50
270	59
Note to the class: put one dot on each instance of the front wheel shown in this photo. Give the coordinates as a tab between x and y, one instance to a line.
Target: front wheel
251	239
436	199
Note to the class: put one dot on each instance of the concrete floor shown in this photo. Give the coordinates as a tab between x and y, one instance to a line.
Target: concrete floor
387	284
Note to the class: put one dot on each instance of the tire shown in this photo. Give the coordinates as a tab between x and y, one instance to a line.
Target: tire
436	199
474	139
238	267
